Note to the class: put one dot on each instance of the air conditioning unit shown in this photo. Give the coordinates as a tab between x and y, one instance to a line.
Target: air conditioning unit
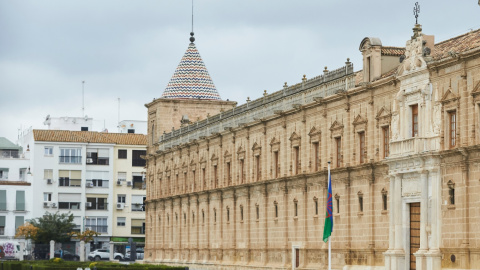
129	183
119	183
120	206
89	160
88	204
89	185
45	204
49	181
54	205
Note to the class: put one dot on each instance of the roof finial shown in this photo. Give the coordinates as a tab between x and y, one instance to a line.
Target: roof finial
416	11
192	39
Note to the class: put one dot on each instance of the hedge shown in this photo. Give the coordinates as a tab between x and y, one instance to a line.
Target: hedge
63	265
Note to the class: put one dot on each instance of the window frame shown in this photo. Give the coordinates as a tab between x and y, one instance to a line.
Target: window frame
122	154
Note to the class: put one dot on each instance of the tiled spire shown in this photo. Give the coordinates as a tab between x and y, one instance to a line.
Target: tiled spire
191	79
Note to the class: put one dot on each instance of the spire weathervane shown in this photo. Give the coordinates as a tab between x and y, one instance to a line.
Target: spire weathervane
416	11
192	39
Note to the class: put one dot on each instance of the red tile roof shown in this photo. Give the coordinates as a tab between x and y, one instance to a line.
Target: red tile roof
89	137
393	51
458	44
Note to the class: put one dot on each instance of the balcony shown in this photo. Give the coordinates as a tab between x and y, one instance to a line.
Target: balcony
9	154
97	228
97	206
413	146
71	159
138	207
98	161
97	183
69	205
137	230
67	182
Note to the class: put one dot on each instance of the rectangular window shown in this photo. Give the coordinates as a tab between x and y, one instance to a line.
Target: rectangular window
360	203
337	200
21	173
48	174
98	224
385	201
48	151
295	205
296	159
242	171
4	173
122	153
258	212
20	200
3	200
69	178
137	160
121	198
138	203
361	140
316	156
241	213
275	164
97	203
257	164
452	117
19	220
71	155
276	210
316	207
204	178
386	141
122	176
137	180
121	221
98	156
229	177
215	176
2	225
194	181
338	144
47	197
414	120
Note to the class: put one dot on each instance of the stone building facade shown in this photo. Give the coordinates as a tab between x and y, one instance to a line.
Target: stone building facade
246	188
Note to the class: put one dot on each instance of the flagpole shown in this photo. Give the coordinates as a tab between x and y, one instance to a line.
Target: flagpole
329	242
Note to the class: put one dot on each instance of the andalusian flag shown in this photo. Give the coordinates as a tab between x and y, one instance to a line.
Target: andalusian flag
328	228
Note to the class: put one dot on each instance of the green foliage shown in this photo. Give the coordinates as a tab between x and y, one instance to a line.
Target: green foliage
55	227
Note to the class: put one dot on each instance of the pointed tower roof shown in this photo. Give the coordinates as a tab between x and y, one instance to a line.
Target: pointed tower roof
191	79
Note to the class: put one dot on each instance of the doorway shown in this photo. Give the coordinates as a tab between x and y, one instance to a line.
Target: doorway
414	233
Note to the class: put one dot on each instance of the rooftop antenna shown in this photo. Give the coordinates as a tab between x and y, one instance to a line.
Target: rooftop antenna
192	39
83	98
118	122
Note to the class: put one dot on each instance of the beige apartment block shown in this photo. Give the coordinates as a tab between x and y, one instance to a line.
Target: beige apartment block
129	192
247	188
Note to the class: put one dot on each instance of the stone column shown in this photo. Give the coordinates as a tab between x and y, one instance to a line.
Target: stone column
420	254
434	255
397	211
82	251
111	250
52	249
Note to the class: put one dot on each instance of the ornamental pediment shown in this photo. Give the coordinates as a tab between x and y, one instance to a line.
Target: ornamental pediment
294	137
274	141
359	120
336	126
476	90
449	96
383	113
314	131
256	149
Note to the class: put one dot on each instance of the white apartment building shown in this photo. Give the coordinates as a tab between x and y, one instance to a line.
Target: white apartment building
73	171
15	188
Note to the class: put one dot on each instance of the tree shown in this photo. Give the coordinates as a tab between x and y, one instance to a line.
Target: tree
86	236
27	231
55	227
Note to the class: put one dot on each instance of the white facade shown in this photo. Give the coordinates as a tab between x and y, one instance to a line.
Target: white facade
132	126
87	193
15	192
69	123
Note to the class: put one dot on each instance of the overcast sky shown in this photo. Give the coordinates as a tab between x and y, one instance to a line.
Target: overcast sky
129	49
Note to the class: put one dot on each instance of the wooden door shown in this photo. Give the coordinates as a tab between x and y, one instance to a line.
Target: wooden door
297	257
414	233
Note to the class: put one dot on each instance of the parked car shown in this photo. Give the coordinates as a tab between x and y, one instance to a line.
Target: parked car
104	254
66	255
139	252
